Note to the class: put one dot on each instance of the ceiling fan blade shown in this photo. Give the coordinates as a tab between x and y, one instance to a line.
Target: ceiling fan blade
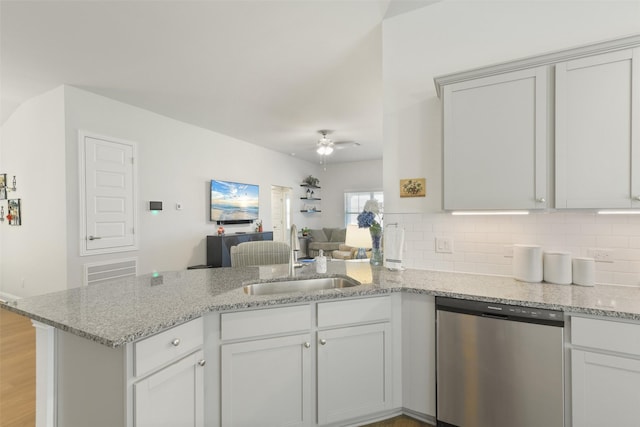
345	144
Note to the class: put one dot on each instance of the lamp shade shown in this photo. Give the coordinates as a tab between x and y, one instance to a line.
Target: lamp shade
358	237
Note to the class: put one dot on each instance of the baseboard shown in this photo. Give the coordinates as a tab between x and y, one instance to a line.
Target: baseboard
419	416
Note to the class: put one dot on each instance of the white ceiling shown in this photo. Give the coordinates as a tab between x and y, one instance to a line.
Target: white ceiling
268	72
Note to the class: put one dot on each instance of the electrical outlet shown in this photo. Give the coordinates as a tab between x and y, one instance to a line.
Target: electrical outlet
600	255
444	245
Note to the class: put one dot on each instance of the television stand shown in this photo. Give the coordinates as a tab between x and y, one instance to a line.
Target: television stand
219	247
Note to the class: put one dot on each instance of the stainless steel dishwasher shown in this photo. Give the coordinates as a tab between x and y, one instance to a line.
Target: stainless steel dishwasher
498	365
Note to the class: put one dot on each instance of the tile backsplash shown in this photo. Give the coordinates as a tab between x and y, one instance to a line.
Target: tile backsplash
482	244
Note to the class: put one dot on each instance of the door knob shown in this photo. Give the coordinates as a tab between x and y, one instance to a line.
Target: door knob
202	362
323	341
307	345
175	342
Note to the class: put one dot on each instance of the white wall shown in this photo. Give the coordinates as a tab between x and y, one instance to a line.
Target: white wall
33	149
176	162
342	177
452	36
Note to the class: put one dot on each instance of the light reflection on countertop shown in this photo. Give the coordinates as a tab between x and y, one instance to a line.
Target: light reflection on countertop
121	311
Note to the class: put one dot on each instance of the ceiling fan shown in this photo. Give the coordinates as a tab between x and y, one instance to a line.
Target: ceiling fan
325	145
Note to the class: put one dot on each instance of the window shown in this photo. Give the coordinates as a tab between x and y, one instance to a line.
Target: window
354	203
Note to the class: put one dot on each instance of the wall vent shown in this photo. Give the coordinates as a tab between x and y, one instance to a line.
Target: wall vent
98	272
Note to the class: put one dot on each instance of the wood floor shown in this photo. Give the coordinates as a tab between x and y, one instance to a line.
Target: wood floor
17	371
401	421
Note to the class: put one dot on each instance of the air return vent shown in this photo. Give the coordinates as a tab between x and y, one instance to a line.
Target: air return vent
108	270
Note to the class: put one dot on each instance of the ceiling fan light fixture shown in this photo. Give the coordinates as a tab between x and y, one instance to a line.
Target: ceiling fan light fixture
324	150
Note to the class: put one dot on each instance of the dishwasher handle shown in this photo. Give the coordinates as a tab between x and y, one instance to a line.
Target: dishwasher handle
495	316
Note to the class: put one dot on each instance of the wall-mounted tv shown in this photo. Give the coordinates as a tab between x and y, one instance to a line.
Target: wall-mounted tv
234	202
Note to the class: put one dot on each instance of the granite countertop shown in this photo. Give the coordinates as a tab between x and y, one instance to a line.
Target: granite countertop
121	311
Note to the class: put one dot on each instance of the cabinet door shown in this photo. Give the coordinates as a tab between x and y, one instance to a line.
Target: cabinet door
267	382
172	397
604	390
598	131
495	142
354	372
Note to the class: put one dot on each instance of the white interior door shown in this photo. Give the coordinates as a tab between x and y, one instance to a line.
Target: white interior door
280	212
107	194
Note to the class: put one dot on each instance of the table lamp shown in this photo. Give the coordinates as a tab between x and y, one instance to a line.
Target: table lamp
358	238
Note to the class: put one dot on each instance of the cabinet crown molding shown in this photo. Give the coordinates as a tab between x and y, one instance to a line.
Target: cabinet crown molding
536	61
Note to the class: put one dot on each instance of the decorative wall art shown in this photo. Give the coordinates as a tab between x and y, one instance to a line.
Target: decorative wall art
3	186
15	214
413	187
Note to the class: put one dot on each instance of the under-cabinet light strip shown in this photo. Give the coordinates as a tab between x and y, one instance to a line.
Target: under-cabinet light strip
620	212
490	213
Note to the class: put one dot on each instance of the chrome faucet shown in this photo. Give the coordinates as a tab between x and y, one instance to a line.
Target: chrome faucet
294	244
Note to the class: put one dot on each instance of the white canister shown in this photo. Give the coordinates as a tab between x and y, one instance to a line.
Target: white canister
584	271
527	263
557	267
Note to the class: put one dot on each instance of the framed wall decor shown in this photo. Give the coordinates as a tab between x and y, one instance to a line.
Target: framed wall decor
15	213
413	187
3	186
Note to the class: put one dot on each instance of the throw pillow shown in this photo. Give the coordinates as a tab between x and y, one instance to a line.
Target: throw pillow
318	236
338	235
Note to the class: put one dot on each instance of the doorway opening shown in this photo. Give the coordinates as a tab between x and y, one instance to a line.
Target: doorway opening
280	212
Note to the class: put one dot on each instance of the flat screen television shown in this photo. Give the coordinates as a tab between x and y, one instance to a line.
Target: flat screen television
234	202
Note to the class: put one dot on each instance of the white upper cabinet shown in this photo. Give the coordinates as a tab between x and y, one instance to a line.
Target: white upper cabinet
598	131
504	149
495	141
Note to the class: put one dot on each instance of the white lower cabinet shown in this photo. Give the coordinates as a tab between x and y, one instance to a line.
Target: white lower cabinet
267	382
280	367
168	381
605	373
606	389
354	369
173	396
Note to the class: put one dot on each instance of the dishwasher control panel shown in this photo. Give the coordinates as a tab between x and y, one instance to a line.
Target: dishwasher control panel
501	311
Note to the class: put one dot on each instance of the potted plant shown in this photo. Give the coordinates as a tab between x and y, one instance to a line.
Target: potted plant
311	181
259	226
305	231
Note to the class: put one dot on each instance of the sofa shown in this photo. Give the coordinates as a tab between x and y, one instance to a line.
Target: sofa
327	239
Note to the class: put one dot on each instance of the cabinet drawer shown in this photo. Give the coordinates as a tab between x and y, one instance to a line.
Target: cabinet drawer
272	321
166	346
606	335
338	313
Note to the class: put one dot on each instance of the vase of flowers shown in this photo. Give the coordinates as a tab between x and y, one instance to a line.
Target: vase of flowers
369	219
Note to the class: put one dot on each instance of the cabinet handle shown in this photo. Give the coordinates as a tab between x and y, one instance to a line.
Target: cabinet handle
541	200
202	362
175	342
307	345
94	238
323	342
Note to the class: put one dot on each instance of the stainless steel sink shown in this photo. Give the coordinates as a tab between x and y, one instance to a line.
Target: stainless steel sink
299	285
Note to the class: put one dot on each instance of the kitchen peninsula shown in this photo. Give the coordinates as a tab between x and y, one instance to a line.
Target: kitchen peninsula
108	346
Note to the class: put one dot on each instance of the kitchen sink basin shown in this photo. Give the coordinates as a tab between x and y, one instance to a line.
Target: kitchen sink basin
298	285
